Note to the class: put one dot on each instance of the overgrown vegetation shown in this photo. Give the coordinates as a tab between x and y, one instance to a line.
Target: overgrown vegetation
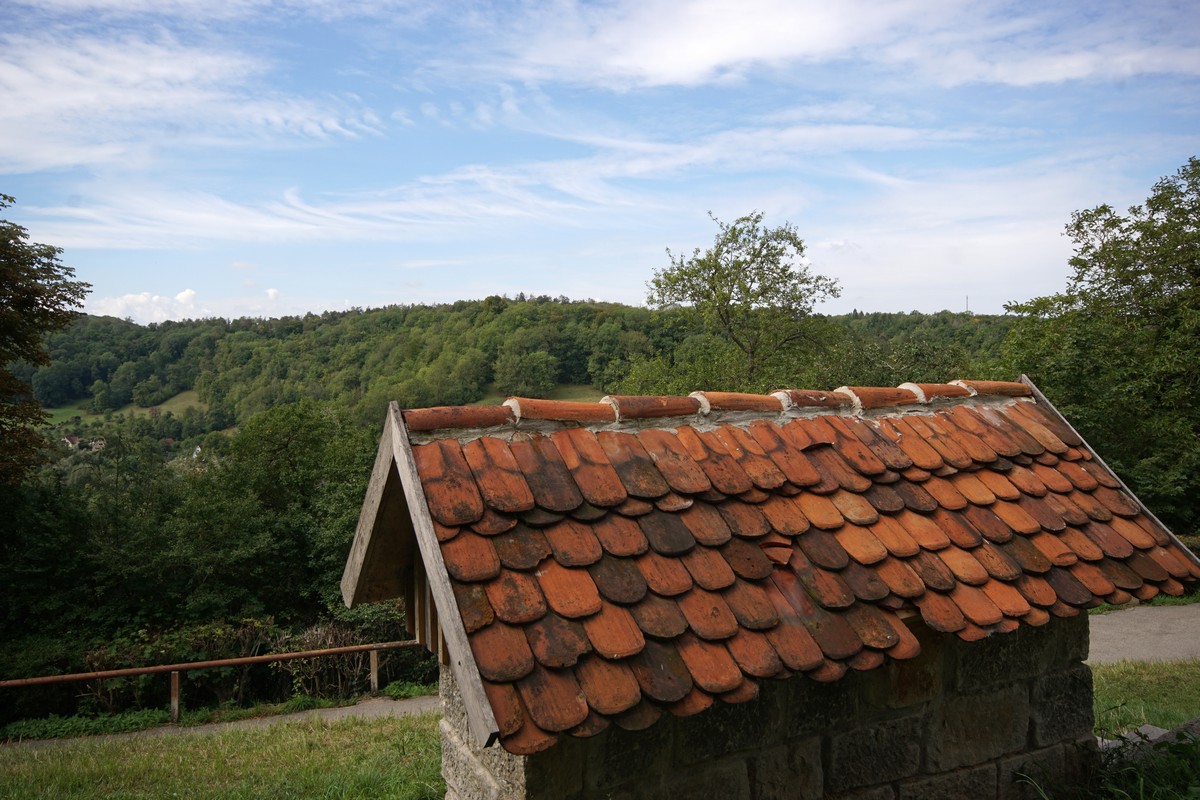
380	759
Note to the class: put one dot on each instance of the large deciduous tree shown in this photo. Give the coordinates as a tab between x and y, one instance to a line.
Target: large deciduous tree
1119	350
37	295
752	288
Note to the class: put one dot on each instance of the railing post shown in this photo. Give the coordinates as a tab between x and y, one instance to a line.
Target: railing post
175	696
374	672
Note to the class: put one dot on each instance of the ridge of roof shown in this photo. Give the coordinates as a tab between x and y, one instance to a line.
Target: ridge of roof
616	410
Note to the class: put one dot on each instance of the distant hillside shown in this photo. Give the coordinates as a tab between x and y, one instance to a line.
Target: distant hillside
446	354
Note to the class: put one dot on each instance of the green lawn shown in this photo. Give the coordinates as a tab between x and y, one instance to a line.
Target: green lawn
1134	693
381	759
83	408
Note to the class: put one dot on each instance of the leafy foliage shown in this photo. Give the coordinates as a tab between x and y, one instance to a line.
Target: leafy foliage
1119	351
752	287
36	295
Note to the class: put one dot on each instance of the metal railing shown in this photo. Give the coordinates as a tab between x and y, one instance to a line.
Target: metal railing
177	669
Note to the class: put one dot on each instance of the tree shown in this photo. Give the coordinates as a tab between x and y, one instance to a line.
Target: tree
752	287
1119	350
37	295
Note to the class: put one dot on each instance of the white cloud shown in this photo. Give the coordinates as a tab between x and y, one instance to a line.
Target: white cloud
149	307
272	295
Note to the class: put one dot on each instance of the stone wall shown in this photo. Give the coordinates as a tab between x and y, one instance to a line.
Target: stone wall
961	720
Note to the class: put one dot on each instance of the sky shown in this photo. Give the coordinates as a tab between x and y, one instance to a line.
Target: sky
201	158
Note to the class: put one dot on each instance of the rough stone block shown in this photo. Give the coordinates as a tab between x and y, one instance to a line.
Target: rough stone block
975	782
809	707
903	684
1062	705
878	793
727	728
726	779
875	753
1072	638
1044	767
464	775
618	756
558	772
788	771
972	728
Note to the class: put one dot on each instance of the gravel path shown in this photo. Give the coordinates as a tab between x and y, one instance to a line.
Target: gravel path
1146	633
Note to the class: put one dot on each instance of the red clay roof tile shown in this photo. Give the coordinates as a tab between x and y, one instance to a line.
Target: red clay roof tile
593	555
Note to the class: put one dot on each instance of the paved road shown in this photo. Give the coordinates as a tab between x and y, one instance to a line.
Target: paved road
1146	633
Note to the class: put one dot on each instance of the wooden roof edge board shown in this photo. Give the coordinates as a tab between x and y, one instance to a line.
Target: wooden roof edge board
462	661
1043	401
368	575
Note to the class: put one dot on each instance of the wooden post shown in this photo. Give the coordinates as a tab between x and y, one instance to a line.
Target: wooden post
374	672
175	696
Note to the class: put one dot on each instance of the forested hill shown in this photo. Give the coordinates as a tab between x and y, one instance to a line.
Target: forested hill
453	354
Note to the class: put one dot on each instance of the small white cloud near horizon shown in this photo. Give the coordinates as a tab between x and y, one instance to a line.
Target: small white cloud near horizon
272	295
146	307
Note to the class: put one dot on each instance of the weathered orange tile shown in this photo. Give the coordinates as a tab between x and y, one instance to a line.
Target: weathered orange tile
1118	598
940	612
820	511
553	699
822	549
884	498
1113	544
470	557
742	401
966	567
1002	423
776	547
428	419
883	396
667	533
1036	617
852	449
573	543
707	613
673	503
866	585
1146	567
711	666
708	568
807	398
1022	414
589	466
1035	589
971	487
694	702
754	654
1055	423
501	652
1080	544
665	576
443	533
571	592
943	493
884	448
1054	479
907	645
1102	476
987	523
790	638
497	475
515	597
529	739
1015	517
861	544
594	725
506	706
975	605
755	496
1001	388
1011	602
744	519
618	579
897	431
674	462
1054	549
784	515
751	457
620	536
743	694
633	464
1120	575
923	530
833	466
1090	506
473	605
706	524
1031	559
932	570
958	530
829	672
974	633
540	517
1092	578
721	469
915	497
450	490
1117	501
832	634
659	617
634	507
1146	592
1172	561
871	626
613	632
747	559
948	427
557	642
545	473
1133	533
785	455
1068	588
491	523
1076	475
854	507
640	717
951	452
822	585
969	420
894	537
998	564
661	673
751	605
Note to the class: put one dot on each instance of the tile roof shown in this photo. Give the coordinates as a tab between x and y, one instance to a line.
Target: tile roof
615	561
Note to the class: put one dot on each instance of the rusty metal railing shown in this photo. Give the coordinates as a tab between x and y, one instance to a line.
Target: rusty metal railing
176	670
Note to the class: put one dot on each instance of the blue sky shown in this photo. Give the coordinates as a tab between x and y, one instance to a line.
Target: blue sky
254	157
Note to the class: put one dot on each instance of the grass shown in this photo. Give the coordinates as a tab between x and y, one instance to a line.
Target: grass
1129	694
402	690
394	758
567	391
83	408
